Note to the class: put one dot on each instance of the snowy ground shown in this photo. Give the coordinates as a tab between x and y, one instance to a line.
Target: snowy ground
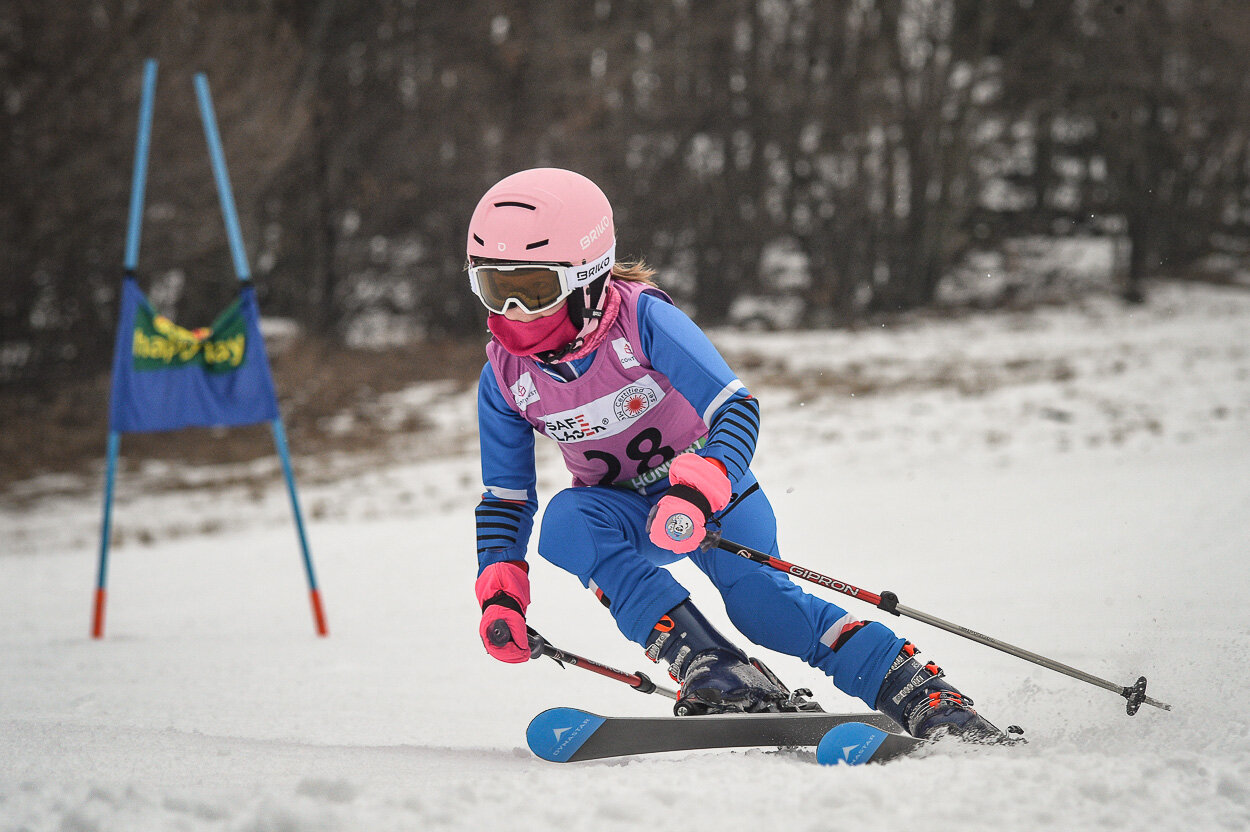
1072	481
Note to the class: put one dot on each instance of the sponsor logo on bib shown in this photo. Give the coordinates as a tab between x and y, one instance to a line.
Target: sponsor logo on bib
524	393
625	352
634	401
605	416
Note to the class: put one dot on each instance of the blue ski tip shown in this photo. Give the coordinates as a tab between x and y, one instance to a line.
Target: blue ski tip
853	743
558	733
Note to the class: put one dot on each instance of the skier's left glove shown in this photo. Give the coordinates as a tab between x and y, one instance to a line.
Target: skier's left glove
503	591
700	488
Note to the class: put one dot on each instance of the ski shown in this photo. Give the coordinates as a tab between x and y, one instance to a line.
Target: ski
855	744
570	735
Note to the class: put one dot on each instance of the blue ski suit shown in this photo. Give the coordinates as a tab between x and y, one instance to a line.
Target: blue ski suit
598	533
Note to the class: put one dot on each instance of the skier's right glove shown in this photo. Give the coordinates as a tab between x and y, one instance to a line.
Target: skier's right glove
503	590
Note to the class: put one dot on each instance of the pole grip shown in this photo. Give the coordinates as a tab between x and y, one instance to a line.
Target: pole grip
538	644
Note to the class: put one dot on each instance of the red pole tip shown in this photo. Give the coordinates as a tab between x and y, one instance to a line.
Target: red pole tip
97	615
319	616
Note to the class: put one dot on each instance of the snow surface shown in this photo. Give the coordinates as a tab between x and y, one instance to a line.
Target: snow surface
1070	480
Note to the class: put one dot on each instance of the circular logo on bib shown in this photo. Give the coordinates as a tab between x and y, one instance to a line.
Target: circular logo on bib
679	527
633	401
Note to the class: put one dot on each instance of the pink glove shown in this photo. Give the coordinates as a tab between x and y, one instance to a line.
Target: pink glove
700	488
503	590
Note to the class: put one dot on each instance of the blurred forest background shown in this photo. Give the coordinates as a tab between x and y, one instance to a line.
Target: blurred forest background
783	162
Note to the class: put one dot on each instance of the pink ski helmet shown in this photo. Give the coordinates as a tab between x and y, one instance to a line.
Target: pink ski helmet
543	215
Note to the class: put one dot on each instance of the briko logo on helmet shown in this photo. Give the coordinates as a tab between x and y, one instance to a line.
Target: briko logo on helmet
596	232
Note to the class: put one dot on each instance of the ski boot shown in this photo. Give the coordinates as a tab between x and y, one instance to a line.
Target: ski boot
715	676
915	696
720	681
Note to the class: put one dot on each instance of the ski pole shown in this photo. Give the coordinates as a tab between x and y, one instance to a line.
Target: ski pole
499	635
888	601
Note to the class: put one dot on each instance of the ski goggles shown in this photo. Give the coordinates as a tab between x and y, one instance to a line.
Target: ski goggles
533	287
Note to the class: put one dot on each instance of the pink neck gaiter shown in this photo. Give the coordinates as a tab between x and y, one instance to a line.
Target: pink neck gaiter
531	337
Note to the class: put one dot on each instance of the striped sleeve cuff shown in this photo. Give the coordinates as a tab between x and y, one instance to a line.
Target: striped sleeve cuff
503	527
733	435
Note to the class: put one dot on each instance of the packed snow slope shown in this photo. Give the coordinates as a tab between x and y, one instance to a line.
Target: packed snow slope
1073	481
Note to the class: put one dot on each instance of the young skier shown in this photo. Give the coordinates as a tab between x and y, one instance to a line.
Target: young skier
658	434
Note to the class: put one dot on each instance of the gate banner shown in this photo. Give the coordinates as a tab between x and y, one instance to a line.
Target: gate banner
166	377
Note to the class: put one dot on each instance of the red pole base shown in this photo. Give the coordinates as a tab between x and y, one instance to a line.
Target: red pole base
97	616
319	616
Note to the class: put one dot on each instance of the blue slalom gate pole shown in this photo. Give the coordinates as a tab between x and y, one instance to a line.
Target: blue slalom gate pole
314	593
139	180
106	531
222	176
239	256
138	186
